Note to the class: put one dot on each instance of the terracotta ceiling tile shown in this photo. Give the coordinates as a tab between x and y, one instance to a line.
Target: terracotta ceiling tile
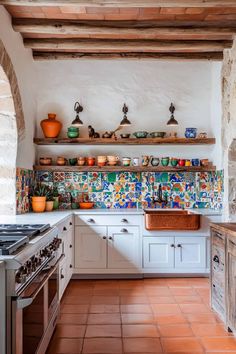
149	11
117	17
195	10
22	14
172	10
186	17
90	16
221	17
160	17
130	11
53	10
38	15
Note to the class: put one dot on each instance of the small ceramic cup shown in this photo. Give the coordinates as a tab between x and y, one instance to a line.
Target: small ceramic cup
187	163
102	160
81	161
204	162
136	161
112	160
145	160
181	162
174	162
165	161
91	161
155	161
73	161
61	161
195	162
126	161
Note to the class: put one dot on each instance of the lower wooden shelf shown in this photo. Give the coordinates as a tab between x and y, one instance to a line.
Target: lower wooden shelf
125	168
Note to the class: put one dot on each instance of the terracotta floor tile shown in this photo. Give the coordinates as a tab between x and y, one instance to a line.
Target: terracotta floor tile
102	346
154	291
105	300
209	330
178	330
183	291
65	346
129	300
106	292
70	331
104	309
74	308
170	319
159	309
181	282
78	292
140	331
219	343
106	318
106	284
77	300
188	299
135	308
161	299
194	308
141	345
73	318
203	292
181	344
130	284
132	292
201	317
94	331
136	318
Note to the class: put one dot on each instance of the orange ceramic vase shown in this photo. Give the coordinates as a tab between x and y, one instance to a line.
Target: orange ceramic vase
51	127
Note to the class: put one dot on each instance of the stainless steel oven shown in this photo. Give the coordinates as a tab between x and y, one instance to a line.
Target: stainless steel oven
35	310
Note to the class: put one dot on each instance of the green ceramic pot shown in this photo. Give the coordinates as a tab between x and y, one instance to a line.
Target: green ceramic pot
140	134
56	203
165	161
73	161
73	132
174	162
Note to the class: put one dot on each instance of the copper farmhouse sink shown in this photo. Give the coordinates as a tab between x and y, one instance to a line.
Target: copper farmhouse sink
171	220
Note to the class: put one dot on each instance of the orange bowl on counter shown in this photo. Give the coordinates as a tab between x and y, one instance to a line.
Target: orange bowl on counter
86	205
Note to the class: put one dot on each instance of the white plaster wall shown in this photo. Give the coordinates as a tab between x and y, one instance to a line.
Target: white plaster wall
25	72
147	87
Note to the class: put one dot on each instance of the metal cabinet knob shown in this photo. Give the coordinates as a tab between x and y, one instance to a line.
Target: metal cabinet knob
71	266
110	238
70	246
104	238
179	245
62	276
172	245
71	223
123	230
64	228
216	259
91	220
124	220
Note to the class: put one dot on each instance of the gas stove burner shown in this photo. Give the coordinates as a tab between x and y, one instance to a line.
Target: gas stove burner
9	244
37	228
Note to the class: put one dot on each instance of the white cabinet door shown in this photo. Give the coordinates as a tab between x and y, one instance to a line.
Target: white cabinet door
124	247
90	247
69	253
190	252
158	252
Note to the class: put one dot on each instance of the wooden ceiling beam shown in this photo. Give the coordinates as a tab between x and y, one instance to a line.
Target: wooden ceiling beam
58	28
123	3
124	46
215	56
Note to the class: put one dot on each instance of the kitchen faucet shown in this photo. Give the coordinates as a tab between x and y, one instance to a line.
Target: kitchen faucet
159	199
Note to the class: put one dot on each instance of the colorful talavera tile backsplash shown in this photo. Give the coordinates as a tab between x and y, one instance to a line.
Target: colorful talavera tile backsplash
24	183
131	189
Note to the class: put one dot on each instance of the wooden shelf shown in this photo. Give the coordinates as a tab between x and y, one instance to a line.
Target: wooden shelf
124	169
130	141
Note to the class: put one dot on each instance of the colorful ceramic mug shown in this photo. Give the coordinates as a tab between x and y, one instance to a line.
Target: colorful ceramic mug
181	162
145	160
165	161
195	162
126	161
136	161
91	161
187	163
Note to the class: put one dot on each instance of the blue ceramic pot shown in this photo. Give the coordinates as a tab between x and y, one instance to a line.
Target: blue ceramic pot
190	133
195	162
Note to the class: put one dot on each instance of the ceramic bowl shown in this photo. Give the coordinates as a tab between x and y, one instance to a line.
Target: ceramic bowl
157	134
45	161
124	136
155	161
140	134
86	205
190	133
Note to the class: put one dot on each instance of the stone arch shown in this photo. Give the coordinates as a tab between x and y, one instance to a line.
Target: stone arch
12	128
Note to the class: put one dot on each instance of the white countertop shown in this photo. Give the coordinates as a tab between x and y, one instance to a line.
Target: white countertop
55	217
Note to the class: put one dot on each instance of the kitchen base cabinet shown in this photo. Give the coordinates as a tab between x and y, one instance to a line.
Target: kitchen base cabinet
158	252
231	284
123	247
90	247
190	252
174	254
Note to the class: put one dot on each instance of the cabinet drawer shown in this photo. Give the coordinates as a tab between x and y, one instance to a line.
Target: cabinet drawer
65	225
109	220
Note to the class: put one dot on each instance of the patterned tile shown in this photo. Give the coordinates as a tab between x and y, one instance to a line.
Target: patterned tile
24	185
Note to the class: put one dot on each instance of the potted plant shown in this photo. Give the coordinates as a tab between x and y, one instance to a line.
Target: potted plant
55	198
39	198
49	200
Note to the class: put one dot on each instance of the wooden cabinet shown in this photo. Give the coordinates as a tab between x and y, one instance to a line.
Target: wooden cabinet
123	247
190	252
90	247
231	284
158	252
174	253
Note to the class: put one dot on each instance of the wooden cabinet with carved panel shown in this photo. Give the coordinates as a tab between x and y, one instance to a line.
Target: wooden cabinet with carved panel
231	283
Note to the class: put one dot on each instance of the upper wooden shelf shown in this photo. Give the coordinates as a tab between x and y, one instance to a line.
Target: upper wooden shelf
125	168
130	141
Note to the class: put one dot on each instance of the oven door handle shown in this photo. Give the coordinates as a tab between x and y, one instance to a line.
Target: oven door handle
23	302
